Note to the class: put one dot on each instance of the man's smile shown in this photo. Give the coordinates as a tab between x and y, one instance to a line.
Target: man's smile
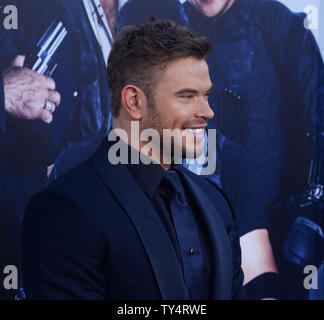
197	132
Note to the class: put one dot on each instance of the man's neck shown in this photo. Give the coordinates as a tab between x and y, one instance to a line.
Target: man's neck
133	140
110	8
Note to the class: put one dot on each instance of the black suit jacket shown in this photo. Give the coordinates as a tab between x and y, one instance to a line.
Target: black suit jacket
95	235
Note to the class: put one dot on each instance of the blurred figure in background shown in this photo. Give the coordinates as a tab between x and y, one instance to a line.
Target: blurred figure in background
49	124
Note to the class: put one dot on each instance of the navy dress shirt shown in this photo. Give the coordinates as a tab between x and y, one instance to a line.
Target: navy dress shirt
185	232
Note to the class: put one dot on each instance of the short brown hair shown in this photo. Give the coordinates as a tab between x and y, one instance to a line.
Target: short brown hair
139	50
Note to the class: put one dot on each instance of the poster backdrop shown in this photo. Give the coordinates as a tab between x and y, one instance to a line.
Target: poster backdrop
268	100
311	8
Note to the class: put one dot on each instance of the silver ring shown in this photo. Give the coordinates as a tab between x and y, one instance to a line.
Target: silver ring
49	105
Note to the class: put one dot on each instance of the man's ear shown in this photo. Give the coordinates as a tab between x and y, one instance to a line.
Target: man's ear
134	101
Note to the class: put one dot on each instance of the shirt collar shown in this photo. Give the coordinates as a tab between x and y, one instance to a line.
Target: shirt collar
104	40
147	176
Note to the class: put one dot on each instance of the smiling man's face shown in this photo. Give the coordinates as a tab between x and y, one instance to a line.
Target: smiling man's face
212	8
180	101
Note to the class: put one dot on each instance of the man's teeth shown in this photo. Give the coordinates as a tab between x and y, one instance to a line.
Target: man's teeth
198	130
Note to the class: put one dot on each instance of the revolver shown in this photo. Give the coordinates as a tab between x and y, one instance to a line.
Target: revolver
40	60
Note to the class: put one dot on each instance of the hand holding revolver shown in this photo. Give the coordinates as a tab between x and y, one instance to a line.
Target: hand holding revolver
28	94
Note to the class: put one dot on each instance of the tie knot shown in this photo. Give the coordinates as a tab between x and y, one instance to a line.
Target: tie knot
177	190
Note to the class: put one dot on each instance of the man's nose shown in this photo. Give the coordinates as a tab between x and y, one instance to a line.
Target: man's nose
205	111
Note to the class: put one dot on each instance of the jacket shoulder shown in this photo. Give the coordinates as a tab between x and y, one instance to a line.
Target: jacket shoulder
78	191
75	181
276	13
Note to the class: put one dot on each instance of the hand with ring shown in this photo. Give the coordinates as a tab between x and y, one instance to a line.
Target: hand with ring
49	106
28	94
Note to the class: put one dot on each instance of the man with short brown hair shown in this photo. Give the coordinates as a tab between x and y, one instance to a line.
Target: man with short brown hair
151	230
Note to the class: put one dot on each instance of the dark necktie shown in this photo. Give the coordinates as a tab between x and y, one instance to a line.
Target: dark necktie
188	239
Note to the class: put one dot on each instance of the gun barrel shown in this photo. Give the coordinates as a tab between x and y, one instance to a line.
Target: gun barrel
49	38
49	43
45	35
57	42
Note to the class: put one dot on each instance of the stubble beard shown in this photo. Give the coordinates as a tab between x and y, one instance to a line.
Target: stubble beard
158	122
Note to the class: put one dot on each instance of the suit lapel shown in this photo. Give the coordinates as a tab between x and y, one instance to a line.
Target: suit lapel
221	251
156	242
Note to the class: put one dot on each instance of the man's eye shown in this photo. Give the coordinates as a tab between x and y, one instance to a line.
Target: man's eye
187	97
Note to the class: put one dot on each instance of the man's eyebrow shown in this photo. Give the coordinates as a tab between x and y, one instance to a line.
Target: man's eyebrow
188	90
